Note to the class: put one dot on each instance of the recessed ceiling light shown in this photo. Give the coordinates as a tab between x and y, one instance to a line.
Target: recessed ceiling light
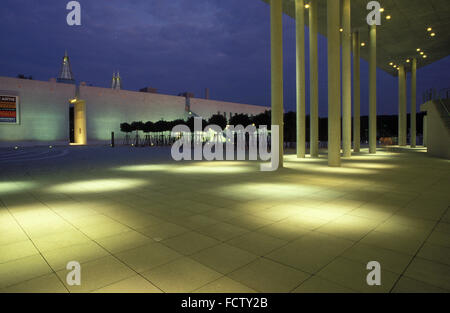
307	6
391	63
382	10
418	49
433	34
363	44
421	52
407	61
425	56
388	17
341	29
429	29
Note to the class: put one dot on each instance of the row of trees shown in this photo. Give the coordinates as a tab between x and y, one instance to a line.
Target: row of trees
220	120
158	133
387	126
22	76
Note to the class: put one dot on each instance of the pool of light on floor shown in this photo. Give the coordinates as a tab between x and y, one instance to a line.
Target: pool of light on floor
14	187
98	185
145	168
268	190
203	167
326	169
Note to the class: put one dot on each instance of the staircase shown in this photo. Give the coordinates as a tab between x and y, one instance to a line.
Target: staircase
437	106
443	107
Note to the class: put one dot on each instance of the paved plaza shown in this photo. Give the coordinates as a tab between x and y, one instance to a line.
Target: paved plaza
137	221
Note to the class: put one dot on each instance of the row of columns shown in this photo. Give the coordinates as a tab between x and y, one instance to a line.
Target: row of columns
402	105
334	79
350	42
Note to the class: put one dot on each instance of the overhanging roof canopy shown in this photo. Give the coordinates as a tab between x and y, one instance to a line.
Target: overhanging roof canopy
399	37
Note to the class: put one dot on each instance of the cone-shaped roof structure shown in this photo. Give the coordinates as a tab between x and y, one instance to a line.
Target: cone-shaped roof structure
65	74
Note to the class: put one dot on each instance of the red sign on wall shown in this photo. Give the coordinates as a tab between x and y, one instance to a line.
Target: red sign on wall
9	109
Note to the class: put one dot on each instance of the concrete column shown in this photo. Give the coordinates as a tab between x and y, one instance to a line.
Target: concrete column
373	89
346	80
356	93
301	87
334	83
401	106
413	102
401	77
313	80
79	110
276	44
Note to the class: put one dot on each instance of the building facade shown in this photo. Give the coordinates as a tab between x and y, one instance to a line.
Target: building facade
43	110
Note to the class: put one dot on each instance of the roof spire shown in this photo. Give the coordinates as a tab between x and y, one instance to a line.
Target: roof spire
65	74
117	84
113	83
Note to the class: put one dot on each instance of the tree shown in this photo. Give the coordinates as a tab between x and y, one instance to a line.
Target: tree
190	123
148	127
126	128
21	76
137	126
218	119
176	123
240	119
262	119
290	126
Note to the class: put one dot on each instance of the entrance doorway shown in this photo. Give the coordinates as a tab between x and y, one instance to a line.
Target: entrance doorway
77	122
71	124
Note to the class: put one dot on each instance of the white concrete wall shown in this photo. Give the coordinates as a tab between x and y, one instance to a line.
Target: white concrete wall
44	111
107	109
438	136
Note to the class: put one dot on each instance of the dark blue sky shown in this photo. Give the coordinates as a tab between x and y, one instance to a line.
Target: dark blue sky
175	46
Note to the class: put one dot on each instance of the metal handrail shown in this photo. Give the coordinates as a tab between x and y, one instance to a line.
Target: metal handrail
431	94
447	93
444	106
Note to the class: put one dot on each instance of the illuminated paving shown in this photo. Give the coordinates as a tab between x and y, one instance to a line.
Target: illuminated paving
138	222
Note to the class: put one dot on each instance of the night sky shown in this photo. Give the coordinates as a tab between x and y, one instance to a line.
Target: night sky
174	46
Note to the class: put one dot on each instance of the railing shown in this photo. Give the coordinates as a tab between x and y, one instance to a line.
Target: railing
444	106
432	94
444	93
